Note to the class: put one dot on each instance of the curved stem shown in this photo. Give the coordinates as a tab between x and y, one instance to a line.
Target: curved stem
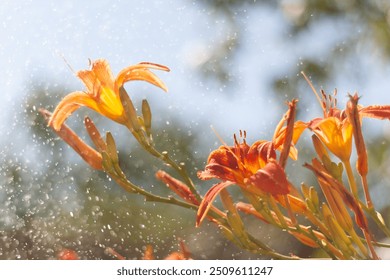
131	188
164	157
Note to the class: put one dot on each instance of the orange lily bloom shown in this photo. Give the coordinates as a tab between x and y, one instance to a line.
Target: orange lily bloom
102	91
336	134
253	168
242	163
335	130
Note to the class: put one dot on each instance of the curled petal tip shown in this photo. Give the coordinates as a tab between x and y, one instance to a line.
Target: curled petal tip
156	66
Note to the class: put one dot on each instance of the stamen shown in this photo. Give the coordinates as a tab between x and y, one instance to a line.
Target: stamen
241	165
312	87
66	62
219	137
236	143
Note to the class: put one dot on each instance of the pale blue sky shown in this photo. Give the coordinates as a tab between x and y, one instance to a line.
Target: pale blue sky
36	34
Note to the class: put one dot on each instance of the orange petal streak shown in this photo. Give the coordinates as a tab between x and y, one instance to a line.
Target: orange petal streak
208	200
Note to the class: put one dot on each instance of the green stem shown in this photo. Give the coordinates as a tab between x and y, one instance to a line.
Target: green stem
351	179
139	136
131	188
358	242
120	178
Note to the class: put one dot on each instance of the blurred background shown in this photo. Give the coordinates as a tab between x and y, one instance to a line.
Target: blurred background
234	64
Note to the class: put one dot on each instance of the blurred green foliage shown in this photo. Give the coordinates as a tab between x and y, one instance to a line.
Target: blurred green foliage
368	19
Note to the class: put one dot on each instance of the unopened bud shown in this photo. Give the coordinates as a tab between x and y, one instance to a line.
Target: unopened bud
94	134
177	186
130	111
88	154
147	117
319	147
111	148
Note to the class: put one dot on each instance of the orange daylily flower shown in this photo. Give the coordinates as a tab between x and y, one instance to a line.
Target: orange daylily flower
253	168
102	90
336	134
335	129
239	162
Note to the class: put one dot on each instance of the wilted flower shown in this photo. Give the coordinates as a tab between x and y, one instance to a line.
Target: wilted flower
102	90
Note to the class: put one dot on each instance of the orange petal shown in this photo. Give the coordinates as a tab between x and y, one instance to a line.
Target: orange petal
103	73
376	111
140	72
297	205
154	66
208	200
90	81
68	105
215	170
270	179
259	154
336	136
299	127
221	164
